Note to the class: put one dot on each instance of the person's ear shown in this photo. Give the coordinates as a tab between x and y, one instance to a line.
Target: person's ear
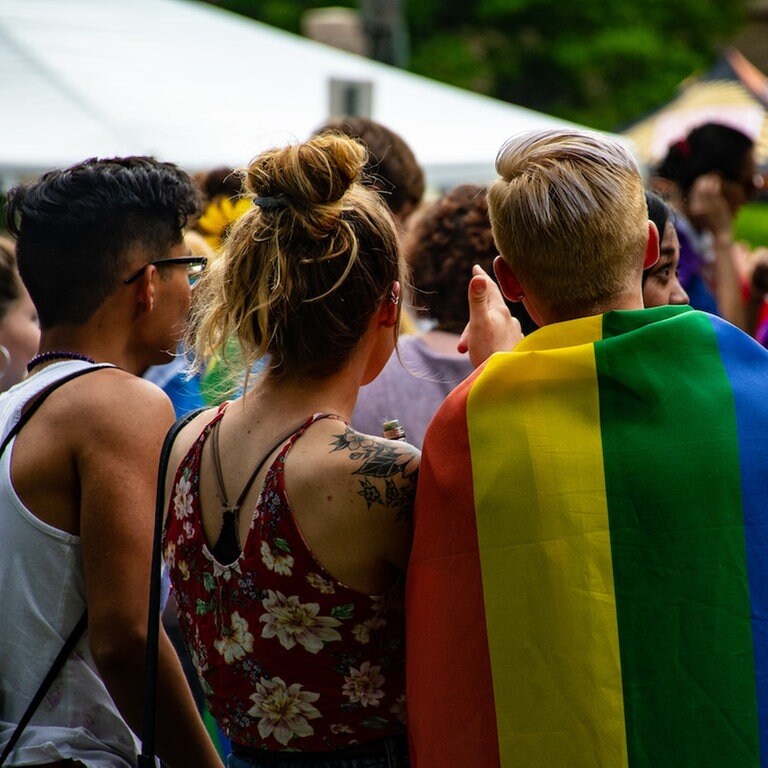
145	290
390	307
652	246
508	282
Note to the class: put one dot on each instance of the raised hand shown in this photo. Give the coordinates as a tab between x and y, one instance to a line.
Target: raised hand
491	327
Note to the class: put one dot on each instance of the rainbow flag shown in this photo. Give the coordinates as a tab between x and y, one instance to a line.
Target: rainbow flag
589	577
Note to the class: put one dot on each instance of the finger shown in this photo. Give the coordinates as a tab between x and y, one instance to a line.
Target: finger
463	346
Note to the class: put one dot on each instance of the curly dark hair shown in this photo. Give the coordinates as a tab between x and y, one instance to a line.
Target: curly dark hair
391	168
76	227
441	245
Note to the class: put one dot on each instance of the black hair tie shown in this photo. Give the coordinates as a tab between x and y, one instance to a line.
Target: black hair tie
271	202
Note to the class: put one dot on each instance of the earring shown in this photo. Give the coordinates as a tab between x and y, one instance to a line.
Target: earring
520	296
5	356
394	298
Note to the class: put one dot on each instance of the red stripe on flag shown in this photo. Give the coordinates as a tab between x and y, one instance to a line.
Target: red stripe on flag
451	713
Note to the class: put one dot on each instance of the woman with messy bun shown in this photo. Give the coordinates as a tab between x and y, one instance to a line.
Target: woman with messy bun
287	532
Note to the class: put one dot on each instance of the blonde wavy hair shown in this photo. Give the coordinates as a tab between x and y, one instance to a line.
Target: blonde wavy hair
305	268
569	217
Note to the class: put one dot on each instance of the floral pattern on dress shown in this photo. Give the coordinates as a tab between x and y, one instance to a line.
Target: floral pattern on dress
291	622
236	641
289	657
319	582
279	563
182	498
364	686
283	710
362	632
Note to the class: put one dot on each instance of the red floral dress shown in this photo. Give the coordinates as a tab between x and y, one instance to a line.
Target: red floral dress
289	657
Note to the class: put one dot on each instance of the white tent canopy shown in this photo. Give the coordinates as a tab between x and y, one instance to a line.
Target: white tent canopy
202	87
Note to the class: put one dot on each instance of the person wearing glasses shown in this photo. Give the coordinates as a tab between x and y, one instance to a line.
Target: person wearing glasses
183	389
100	249
287	532
714	173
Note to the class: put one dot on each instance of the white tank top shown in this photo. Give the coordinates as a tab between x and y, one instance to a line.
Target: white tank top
43	596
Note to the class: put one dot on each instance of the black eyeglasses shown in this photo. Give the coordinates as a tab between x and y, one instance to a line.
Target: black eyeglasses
195	266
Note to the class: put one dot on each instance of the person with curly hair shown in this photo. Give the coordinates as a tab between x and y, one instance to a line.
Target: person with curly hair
442	244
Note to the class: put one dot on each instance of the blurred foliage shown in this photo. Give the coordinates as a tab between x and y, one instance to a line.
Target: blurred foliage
598	62
752	224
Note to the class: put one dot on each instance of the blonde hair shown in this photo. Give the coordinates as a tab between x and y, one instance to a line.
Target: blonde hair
305	268
569	217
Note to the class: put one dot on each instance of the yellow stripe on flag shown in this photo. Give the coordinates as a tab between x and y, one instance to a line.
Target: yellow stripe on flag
545	554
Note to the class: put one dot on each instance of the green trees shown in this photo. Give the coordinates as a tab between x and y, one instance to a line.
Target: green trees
598	62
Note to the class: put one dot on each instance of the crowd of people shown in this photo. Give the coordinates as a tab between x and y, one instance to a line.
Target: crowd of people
570	574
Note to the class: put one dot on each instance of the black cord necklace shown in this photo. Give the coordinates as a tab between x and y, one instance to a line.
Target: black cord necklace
45	357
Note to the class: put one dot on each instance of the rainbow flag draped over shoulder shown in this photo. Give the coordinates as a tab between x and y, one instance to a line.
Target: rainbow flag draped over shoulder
589	577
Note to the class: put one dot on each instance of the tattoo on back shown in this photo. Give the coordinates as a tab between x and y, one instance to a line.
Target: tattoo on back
381	462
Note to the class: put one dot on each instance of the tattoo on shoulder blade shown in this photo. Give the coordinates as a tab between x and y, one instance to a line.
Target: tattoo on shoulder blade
381	462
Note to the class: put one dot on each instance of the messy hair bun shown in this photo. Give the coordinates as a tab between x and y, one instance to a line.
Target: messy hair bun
304	270
315	173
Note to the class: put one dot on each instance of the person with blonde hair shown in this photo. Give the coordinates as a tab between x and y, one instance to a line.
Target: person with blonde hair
586	582
288	533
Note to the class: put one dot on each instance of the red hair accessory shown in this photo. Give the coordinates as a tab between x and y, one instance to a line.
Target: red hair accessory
683	147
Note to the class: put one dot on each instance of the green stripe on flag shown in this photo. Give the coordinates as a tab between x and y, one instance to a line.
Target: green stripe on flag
678	549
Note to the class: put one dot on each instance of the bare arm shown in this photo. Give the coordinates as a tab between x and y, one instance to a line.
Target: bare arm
708	209
383	476
117	459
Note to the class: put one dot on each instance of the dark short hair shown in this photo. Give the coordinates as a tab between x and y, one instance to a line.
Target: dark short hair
710	147
392	168
75	228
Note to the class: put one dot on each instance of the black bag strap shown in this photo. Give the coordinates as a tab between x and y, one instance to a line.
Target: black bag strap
82	623
58	663
147	757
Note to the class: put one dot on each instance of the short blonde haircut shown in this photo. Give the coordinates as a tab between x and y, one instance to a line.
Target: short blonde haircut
569	217
304	270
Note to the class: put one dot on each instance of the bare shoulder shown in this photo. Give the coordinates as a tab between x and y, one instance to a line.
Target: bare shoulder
352	495
187	436
112	402
377	472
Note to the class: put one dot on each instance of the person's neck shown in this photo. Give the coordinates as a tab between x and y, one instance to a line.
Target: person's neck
83	340
628	300
292	399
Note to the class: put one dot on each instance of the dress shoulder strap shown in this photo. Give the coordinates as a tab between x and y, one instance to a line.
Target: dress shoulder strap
227	547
